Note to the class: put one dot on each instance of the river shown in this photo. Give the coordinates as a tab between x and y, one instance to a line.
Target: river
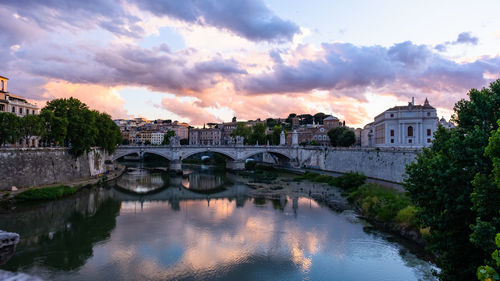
149	225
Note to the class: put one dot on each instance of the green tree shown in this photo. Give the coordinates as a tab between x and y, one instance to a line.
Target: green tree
31	125
318	117
167	136
81	130
452	186
55	128
341	136
271	122
242	130
490	272
9	128
258	134
108	133
274	136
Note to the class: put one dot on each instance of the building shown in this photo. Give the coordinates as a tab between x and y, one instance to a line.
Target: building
331	122
446	124
13	103
402	126
157	138
212	136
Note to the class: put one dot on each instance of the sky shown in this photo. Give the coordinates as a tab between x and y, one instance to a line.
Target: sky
207	61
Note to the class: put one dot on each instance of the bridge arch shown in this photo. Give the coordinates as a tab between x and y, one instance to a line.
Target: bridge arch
117	155
140	153
271	151
203	150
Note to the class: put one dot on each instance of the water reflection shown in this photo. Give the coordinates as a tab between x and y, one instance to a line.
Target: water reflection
62	234
178	234
142	180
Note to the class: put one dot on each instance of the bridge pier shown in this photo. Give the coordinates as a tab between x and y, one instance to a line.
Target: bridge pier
235	165
175	166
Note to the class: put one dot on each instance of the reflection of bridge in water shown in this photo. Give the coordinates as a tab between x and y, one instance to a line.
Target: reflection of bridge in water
175	194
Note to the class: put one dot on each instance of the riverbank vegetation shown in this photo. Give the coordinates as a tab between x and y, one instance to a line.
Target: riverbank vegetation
46	193
455	185
375	202
63	123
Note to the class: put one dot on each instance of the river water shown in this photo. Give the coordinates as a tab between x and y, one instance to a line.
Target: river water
201	226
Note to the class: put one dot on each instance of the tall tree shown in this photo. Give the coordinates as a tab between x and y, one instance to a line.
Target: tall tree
31	125
274	136
242	130
9	128
341	136
167	136
318	117
258	134
452	185
55	128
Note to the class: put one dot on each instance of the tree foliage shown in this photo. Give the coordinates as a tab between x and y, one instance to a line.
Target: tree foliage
167	136
341	136
242	130
63	122
453	187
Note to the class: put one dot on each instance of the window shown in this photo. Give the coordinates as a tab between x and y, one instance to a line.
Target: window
428	114
392	133
33	111
392	140
410	131
392	115
20	110
428	132
324	137
314	137
409	141
2	107
428	140
3	86
13	109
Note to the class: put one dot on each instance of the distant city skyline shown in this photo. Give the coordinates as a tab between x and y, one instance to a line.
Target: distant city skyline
207	61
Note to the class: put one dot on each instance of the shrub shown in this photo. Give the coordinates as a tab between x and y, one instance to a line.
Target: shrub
47	193
379	202
407	216
350	181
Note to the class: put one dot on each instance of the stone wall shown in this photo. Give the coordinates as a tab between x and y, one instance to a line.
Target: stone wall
384	164
26	167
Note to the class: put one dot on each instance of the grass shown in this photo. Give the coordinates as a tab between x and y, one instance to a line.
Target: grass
47	193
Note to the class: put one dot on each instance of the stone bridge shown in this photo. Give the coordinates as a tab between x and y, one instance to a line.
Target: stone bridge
235	155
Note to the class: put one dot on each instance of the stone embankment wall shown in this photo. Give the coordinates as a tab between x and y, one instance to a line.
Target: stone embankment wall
26	167
383	164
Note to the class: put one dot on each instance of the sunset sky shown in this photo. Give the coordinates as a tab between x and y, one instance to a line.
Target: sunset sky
205	61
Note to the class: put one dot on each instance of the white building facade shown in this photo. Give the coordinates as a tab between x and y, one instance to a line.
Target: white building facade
157	138
411	126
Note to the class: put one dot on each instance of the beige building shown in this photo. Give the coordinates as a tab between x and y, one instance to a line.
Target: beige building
13	103
212	136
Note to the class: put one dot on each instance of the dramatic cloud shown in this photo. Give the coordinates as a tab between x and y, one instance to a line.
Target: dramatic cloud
247	18
346	68
77	15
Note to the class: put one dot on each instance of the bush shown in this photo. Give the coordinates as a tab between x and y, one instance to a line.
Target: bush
47	193
407	216
350	181
379	202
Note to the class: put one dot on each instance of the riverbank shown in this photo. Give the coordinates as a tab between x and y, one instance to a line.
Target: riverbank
7	197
